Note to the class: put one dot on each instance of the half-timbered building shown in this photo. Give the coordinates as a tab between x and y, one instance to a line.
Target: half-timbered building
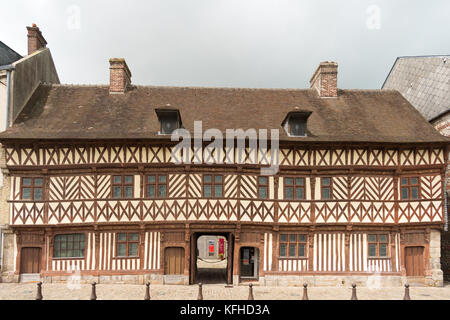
94	190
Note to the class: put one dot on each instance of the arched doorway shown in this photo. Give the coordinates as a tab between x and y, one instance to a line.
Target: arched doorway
211	257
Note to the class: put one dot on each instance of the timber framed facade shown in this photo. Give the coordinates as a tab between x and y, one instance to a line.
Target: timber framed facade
94	191
77	198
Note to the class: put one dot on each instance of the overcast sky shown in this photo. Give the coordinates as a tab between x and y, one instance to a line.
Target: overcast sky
230	43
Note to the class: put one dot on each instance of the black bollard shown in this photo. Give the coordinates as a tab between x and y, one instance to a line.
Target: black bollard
200	293
406	296
305	291
354	292
250	292
39	291
93	293
147	291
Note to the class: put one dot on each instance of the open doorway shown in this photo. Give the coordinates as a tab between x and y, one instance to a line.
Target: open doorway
249	263
211	258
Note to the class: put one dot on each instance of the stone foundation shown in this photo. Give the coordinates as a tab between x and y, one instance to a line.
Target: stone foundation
8	258
109	279
436	279
369	281
333	281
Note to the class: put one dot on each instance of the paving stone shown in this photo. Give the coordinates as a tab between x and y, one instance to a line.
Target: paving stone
59	291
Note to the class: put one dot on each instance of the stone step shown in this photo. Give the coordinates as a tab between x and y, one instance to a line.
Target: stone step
30	277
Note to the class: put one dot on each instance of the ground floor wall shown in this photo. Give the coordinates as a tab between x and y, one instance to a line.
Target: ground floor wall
319	255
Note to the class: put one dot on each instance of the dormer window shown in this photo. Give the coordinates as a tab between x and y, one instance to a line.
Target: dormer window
295	123
169	120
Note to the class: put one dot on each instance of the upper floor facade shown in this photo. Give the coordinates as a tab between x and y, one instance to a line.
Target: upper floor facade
91	184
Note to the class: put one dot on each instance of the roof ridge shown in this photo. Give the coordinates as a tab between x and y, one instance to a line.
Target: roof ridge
425	56
74	85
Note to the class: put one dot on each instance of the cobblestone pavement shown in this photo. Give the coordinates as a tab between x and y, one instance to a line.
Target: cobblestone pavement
214	291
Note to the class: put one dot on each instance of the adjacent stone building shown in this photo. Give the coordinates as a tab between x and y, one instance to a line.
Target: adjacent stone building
425	82
19	79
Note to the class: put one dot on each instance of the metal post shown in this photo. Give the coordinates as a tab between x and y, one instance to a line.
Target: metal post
39	291
250	292
354	292
93	293
406	296
200	293
305	291
147	291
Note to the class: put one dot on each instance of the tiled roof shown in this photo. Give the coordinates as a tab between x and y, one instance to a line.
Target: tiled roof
8	55
91	112
424	82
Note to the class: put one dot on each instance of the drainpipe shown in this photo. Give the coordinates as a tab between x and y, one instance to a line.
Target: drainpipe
9	68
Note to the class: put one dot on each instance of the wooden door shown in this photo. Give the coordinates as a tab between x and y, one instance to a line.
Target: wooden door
174	261
414	261
30	260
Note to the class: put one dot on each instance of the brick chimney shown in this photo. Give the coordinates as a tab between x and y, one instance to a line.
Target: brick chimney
324	80
120	76
35	39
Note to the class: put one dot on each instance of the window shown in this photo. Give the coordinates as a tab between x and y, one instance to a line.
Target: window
127	244
293	245
326	188
378	245
297	126
68	246
295	123
32	188
122	187
410	188
263	187
294	188
156	186
169	120
212	186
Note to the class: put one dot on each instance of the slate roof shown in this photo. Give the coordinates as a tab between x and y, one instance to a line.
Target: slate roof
424	82
8	55
59	112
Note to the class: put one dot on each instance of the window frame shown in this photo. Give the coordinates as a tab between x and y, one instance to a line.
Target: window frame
156	184
262	185
122	185
297	243
302	120
213	184
164	114
377	243
127	242
68	258
168	118
295	187
330	186
32	187
409	186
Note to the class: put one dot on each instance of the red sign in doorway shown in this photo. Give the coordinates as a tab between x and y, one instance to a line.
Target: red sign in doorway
211	246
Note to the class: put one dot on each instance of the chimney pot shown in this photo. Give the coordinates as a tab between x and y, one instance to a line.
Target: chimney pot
120	76
35	39
324	79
